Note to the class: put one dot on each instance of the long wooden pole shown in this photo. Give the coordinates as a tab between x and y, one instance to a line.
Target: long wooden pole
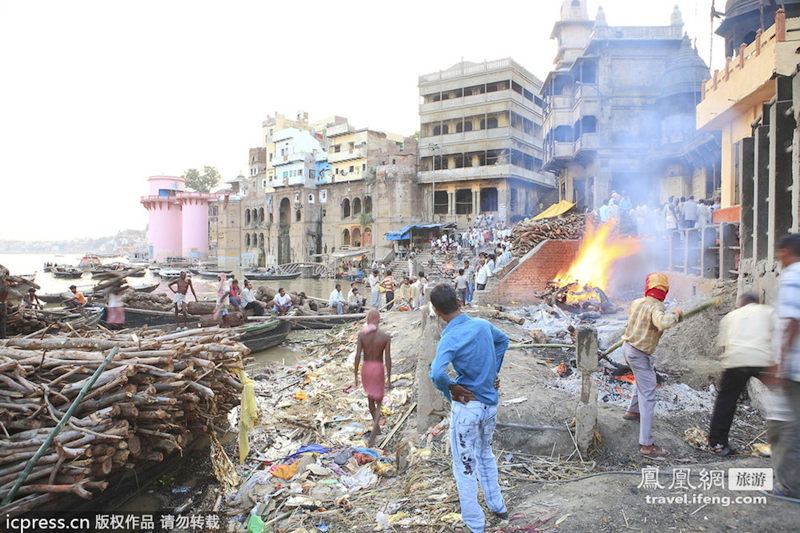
46	444
702	307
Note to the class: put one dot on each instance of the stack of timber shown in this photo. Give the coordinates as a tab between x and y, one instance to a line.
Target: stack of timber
156	394
529	233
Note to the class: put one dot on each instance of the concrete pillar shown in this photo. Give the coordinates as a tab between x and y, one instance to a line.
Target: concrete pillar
586	356
761	190
430	401
745	159
780	166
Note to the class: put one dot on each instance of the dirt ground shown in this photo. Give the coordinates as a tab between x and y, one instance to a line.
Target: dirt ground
548	485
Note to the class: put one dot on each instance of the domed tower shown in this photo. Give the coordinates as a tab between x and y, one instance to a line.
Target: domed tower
164	232
573	31
743	18
681	84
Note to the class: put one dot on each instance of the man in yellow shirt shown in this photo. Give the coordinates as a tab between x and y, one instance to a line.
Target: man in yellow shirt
647	320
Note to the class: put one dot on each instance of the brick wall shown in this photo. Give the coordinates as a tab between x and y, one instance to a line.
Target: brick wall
531	274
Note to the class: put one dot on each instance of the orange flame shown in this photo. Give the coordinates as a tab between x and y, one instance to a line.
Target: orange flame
599	250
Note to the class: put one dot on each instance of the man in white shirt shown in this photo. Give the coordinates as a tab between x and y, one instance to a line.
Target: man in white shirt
282	302
355	303
336	299
483	275
746	336
249	300
375	295
690	213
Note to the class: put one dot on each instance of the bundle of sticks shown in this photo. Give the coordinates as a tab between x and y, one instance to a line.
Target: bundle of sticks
157	393
527	234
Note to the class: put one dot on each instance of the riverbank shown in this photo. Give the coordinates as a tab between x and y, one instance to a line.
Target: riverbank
407	481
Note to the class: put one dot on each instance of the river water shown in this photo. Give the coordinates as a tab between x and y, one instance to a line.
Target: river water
20	264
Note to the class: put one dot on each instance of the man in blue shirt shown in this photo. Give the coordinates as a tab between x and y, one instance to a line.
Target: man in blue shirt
475	348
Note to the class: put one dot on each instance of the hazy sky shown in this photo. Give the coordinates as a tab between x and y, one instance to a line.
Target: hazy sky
97	96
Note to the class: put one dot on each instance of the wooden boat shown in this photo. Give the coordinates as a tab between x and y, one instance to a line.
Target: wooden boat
89	261
29	277
136	318
147	287
260	337
62	272
169	273
263	276
207	274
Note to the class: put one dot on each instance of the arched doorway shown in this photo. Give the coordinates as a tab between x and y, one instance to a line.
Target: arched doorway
356	237
284	226
346	237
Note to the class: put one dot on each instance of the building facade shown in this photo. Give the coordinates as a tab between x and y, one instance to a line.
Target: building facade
314	190
619	111
480	143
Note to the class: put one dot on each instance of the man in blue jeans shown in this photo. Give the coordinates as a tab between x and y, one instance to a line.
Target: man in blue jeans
475	348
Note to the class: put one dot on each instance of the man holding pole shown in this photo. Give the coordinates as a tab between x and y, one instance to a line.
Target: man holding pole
647	320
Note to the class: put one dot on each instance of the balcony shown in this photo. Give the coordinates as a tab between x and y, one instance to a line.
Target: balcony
467	137
587	141
477	100
347	155
486	172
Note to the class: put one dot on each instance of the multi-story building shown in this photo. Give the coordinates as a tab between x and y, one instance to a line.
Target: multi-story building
319	189
754	102
481	143
619	111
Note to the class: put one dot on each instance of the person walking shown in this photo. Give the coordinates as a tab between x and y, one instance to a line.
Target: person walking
388	289
377	349
647	320
374	281
785	377
746	337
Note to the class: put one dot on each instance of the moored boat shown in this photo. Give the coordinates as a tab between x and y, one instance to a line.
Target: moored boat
255	275
89	261
65	272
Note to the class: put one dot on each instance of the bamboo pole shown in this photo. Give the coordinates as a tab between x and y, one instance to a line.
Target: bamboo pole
702	307
61	424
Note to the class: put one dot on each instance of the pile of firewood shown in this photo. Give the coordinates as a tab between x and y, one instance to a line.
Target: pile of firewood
527	234
155	395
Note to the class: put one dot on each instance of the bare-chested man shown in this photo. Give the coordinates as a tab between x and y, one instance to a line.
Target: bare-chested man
183	285
374	344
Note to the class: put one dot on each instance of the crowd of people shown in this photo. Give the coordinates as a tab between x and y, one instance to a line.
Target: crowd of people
677	213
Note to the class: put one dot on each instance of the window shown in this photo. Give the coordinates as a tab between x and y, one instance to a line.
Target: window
356	206
352	147
346	208
463	202
298	215
440	203
513	203
336	148
488	199
352	168
368	204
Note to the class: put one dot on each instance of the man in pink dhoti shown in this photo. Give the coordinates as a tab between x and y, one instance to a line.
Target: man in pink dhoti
376	346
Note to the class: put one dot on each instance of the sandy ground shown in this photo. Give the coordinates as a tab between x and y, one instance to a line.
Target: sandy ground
547	484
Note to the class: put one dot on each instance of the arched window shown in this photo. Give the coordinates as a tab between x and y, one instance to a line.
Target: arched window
368	204
261	240
246	217
346	237
298	216
247	240
346	208
356	206
356	237
261	215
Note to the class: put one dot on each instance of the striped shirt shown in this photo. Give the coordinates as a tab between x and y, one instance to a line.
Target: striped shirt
788	309
646	322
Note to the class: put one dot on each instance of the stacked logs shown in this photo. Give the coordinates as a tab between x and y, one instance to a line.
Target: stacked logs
527	234
155	395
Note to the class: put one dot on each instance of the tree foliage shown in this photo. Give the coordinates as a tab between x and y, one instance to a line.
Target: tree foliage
204	182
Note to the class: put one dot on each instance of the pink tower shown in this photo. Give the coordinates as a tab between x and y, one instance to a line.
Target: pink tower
164	231
195	223
178	219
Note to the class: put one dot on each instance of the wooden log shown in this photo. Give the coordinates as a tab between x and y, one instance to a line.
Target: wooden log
102	469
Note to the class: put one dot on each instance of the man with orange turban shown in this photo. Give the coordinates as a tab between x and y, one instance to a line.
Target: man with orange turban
647	320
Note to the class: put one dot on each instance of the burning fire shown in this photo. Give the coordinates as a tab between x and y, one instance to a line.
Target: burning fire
599	250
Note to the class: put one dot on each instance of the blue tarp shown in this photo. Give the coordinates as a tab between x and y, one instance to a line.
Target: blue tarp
404	234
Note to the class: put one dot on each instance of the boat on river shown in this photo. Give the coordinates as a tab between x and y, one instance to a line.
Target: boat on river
66	272
89	261
255	275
